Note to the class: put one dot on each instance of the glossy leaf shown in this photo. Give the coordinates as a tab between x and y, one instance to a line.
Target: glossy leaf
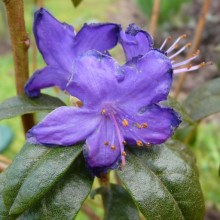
76	2
118	203
20	105
3	210
204	101
19	169
163	181
64	200
34	172
171	102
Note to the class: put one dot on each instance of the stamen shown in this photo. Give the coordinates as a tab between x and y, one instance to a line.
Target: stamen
187	61
120	138
106	143
139	143
139	126
164	43
113	147
182	70
125	122
173	46
103	111
144	125
123	154
124	142
180	50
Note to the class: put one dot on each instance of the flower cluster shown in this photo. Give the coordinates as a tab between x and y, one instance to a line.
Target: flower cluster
120	102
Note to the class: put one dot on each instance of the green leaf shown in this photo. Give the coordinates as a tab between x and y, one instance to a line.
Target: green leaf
64	200
17	172
20	105
76	2
3	210
204	101
117	202
22	190
163	181
171	102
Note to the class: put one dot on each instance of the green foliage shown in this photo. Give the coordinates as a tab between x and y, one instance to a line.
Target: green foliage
163	181
204	101
117	202
20	105
64	200
35	170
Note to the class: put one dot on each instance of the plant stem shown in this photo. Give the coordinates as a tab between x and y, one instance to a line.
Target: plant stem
89	212
195	44
20	44
154	17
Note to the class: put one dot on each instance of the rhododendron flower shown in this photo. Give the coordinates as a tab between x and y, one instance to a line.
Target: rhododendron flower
137	42
60	45
120	106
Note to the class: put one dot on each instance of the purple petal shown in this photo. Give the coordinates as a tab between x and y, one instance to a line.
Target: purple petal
64	126
135	42
98	150
44	78
94	79
161	123
99	37
147	80
55	40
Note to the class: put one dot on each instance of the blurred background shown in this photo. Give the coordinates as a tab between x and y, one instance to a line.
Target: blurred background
175	18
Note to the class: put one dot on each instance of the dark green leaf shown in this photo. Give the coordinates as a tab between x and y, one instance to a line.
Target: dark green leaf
163	180
3	210
171	102
117	202
17	172
76	2
34	172
20	105
204	101
64	200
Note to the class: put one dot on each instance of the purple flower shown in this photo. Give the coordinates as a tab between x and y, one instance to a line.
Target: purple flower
59	46
137	42
120	106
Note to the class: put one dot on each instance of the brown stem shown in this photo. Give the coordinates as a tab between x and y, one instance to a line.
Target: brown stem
3	166
5	159
90	213
20	44
195	44
154	17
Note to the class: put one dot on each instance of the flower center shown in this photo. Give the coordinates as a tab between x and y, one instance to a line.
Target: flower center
123	122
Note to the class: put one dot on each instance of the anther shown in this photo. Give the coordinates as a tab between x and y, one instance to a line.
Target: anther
125	122
124	142
103	111
188	45
144	125
176	46
202	64
123	153
139	143
106	143
139	126
113	147
183	36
